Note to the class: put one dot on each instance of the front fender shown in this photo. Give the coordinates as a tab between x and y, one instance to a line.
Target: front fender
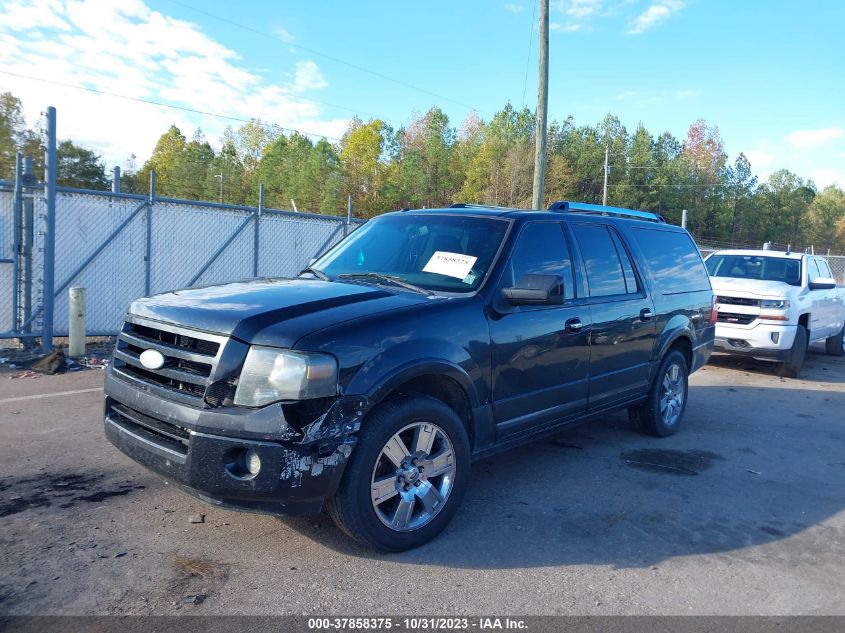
402	362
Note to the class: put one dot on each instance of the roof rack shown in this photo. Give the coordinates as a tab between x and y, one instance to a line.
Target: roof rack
469	205
597	209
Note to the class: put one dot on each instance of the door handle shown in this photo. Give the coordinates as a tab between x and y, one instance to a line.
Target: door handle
573	325
646	314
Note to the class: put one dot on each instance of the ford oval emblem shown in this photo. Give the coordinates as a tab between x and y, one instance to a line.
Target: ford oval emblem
152	359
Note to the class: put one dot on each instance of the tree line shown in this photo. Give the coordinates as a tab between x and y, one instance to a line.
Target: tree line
431	163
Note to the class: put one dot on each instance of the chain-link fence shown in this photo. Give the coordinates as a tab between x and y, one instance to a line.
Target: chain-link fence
124	246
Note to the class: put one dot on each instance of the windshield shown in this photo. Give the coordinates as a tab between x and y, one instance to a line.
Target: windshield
756	267
448	253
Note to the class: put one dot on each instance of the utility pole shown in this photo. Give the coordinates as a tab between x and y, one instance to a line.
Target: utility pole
604	191
542	109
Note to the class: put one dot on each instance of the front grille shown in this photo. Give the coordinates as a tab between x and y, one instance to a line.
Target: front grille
163	433
190	358
736	319
738	301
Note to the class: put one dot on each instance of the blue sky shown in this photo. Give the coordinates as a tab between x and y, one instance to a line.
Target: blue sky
769	74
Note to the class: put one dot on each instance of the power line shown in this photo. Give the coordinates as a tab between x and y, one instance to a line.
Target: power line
312	51
705	185
168	105
528	58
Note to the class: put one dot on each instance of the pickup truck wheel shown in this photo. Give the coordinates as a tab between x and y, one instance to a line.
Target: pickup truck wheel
660	415
833	345
791	368
406	477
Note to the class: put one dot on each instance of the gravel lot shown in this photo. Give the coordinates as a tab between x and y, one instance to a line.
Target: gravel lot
743	512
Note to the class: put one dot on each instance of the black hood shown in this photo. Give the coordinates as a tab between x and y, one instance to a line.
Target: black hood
292	307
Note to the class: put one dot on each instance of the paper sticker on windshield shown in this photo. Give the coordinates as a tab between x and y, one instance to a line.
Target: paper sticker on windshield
455	265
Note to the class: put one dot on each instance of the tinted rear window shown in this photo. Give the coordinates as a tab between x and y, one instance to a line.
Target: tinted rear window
604	269
673	260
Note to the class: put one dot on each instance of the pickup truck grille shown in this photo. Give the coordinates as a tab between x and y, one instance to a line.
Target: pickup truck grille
735	318
737	301
190	358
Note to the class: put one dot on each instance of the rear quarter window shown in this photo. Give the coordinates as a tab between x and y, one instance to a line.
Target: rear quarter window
673	260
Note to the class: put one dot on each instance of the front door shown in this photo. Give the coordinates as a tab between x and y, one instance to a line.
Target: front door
540	353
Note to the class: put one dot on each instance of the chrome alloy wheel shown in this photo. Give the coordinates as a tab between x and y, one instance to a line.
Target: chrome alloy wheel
412	477
672	395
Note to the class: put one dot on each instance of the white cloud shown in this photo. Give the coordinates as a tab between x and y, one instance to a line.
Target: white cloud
283	34
581	8
806	139
658	12
759	158
687	94
308	77
512	7
825	177
128	49
564	28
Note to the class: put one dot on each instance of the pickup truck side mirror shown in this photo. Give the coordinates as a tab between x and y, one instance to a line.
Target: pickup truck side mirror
823	283
536	290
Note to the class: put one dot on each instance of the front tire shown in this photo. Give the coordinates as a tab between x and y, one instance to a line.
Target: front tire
792	367
833	345
661	414
406	477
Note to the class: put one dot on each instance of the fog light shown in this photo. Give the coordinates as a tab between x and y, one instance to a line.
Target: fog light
252	462
775	337
242	463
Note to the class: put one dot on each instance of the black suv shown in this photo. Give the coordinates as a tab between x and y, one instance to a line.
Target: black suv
424	340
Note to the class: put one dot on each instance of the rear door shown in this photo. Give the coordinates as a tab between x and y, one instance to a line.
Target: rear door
540	353
623	332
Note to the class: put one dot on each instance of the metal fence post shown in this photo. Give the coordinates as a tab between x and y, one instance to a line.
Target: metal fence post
115	181
28	220
16	243
49	231
684	218
257	233
348	216
148	260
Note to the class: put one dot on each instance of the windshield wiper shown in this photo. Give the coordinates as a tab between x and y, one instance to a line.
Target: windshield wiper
319	274
393	279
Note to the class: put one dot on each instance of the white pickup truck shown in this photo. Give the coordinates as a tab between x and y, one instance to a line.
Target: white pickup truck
772	304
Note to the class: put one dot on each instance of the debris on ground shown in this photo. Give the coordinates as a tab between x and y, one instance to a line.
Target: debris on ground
195	599
25	374
196	518
51	364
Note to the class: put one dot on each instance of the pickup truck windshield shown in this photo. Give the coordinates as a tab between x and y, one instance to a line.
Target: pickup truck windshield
435	252
755	267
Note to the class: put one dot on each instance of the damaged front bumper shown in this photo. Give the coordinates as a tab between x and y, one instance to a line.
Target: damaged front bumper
201	451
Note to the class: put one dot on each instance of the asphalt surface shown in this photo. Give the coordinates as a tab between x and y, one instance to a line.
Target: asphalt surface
742	512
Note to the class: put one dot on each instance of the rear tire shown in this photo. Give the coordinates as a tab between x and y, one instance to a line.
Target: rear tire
792	367
661	414
390	498
833	345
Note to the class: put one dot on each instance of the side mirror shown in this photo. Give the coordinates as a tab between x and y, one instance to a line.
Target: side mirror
823	283
536	290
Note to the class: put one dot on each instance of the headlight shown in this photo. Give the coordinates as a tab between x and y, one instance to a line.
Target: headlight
270	375
774	304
